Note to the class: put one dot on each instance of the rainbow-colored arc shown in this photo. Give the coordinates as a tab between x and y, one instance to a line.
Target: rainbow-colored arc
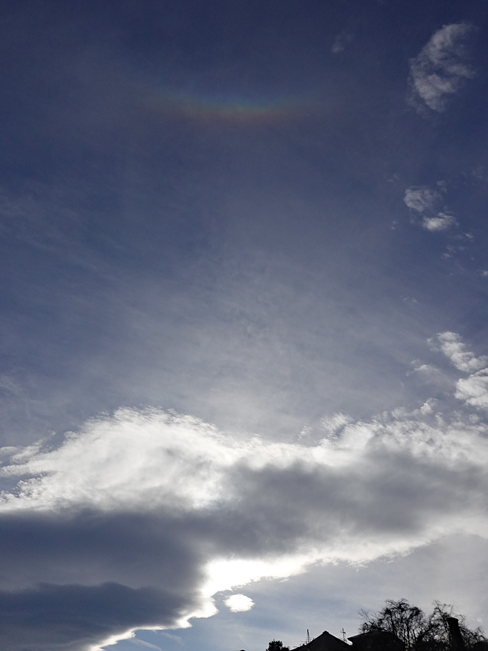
243	112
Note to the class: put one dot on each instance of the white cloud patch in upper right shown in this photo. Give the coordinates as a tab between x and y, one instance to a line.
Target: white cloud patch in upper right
472	390
464	360
440	69
428	203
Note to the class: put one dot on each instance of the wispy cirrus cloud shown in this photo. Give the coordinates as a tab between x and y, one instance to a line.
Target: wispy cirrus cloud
440	69
340	42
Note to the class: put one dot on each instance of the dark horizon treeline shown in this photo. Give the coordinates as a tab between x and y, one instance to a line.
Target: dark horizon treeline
410	629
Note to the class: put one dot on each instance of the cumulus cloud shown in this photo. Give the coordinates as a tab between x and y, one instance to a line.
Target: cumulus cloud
440	69
439	223
140	518
427	202
453	347
472	390
422	199
239	603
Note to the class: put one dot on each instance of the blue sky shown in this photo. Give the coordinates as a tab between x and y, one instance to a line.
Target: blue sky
243	315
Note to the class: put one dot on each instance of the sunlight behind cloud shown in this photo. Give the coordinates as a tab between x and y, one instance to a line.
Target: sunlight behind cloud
239	603
252	508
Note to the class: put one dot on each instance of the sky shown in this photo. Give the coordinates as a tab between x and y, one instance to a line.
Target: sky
243	317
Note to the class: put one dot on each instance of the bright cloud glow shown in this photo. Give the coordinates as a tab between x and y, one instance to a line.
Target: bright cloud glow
239	603
368	489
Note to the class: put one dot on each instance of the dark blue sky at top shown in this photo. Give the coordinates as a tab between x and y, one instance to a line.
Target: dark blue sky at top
204	208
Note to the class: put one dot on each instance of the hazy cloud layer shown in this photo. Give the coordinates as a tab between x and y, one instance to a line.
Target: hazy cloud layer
440	69
138	519
340	43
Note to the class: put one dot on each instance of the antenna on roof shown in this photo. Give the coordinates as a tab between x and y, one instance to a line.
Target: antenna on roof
308	637
343	634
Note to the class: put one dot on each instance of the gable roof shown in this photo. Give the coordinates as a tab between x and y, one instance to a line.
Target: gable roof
324	642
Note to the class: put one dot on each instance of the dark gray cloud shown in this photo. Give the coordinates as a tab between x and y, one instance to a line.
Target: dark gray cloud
150	514
76	617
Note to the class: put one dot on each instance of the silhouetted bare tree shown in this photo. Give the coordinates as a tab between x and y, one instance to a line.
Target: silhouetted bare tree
420	632
398	617
438	636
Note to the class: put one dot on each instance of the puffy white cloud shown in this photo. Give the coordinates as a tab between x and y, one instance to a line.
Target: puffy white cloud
474	389
428	203
239	603
453	347
422	198
440	69
439	223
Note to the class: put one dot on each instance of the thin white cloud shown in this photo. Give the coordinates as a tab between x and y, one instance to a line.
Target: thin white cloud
439	223
440	69
340	42
146	645
333	424
427	202
239	603
423	369
422	198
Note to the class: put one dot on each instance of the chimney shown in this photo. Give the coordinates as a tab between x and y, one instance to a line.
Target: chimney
457	642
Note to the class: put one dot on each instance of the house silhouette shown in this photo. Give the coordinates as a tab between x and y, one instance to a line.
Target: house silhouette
372	641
